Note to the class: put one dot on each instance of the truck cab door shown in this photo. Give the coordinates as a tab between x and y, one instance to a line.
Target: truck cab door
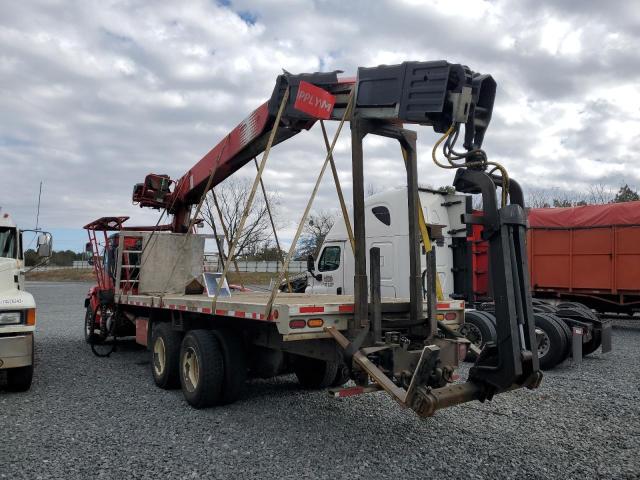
331	266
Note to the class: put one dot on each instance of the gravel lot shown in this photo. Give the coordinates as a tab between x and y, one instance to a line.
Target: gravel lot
87	416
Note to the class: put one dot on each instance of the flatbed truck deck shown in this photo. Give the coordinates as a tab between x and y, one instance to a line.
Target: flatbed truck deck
290	312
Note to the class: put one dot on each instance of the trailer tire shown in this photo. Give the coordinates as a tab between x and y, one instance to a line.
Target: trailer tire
543	308
201	368
579	311
235	365
565	328
313	373
553	346
480	329
165	356
593	344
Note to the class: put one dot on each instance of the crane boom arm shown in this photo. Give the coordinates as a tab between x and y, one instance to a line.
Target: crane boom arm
429	93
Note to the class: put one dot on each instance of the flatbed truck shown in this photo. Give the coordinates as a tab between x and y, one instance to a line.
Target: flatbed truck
151	285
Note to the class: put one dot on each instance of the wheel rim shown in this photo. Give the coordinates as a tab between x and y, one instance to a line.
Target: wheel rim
159	356
544	344
473	334
190	369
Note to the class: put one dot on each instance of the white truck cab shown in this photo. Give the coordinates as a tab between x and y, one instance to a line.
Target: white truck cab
17	307
387	227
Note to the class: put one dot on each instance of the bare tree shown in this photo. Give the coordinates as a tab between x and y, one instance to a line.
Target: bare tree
599	194
314	233
538	198
232	195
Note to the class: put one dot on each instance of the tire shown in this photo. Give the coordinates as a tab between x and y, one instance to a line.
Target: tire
573	305
565	328
553	346
89	336
313	373
579	312
593	344
543	308
342	376
479	328
165	356
235	365
201	368
19	379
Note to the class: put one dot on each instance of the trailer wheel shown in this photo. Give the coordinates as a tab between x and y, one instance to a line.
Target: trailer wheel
313	373
580	311
593	344
235	364
565	328
165	356
201	368
479	328
552	346
543	308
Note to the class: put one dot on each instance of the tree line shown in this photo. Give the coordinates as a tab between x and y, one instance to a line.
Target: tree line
598	194
62	258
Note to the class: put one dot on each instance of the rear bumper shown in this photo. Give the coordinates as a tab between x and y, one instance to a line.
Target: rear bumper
16	351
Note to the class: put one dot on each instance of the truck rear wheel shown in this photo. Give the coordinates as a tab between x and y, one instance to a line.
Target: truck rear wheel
201	368
165	356
479	328
552	347
235	364
313	373
19	379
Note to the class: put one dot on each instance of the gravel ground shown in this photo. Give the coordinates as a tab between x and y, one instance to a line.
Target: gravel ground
86	417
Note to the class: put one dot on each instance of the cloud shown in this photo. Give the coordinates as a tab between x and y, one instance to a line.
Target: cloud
94	95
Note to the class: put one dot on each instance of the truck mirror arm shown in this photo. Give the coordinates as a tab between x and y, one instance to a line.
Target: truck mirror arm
311	268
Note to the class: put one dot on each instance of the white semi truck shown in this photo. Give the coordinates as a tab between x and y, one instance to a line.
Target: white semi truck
387	229
17	306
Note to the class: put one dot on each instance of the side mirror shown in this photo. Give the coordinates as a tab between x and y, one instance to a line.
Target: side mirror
88	248
45	241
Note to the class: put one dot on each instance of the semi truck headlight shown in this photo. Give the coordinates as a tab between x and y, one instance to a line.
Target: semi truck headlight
10	318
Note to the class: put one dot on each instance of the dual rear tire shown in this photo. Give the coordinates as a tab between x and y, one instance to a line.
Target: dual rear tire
209	365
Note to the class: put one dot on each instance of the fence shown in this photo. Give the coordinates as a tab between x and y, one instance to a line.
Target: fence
295	266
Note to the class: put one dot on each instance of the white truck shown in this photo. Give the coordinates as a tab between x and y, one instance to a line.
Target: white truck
387	229
17	306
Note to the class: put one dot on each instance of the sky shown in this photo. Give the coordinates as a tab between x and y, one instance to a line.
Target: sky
96	94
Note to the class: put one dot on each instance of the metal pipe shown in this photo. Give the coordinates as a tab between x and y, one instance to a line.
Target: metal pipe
429	400
360	294
415	279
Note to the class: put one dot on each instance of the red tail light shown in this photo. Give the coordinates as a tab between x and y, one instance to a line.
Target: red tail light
297	324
